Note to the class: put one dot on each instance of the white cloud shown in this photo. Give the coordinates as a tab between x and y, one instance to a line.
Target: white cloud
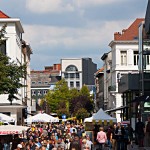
88	3
44	6
58	6
93	35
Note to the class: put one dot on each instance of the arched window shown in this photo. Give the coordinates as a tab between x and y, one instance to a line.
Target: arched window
71	68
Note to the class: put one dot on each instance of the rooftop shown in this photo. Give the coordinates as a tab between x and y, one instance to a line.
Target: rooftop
3	15
130	33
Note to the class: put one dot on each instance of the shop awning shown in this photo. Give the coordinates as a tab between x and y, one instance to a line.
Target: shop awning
115	109
12	129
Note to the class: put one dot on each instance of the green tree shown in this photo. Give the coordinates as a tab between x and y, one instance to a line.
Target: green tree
82	113
85	91
74	93
59	97
62	111
80	102
62	100
11	73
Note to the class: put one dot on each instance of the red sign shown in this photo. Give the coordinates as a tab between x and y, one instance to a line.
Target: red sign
8	132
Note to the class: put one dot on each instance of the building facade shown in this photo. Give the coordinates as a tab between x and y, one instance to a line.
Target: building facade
15	48
135	87
27	51
124	51
99	83
108	98
41	82
78	72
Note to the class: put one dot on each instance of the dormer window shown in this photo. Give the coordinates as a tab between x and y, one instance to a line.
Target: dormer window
33	82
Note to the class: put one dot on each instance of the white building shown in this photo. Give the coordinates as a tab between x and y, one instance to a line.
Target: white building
78	71
17	51
124	51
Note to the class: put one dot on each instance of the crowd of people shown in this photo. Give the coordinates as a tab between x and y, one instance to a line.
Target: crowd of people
121	137
56	136
71	136
117	137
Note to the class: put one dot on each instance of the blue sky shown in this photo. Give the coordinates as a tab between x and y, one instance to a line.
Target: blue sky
59	29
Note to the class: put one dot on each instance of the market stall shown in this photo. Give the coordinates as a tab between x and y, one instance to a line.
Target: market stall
98	119
41	117
6	118
8	132
12	129
101	117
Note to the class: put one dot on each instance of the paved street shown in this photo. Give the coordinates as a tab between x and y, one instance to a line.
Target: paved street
135	147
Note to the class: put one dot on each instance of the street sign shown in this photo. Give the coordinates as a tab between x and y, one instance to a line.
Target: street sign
63	116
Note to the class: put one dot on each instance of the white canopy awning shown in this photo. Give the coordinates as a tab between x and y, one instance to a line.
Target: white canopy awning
12	129
42	117
88	119
6	118
100	115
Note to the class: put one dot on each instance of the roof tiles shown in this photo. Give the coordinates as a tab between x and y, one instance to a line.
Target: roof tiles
129	34
3	15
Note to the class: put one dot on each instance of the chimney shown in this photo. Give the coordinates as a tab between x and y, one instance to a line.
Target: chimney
117	35
123	31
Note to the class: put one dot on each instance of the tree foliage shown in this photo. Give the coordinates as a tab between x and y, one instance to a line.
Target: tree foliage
59	97
74	93
64	101
11	73
82	113
62	111
81	102
85	91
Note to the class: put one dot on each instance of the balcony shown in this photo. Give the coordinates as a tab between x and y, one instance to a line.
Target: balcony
112	88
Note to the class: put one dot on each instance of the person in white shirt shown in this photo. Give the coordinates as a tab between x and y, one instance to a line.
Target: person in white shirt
89	142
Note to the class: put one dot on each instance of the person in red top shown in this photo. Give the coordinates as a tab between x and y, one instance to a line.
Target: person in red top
101	138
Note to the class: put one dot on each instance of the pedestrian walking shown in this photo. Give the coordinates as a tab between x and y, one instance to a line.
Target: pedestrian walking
126	138
83	144
109	136
130	135
75	144
120	132
114	142
89	142
147	134
139	130
101	138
